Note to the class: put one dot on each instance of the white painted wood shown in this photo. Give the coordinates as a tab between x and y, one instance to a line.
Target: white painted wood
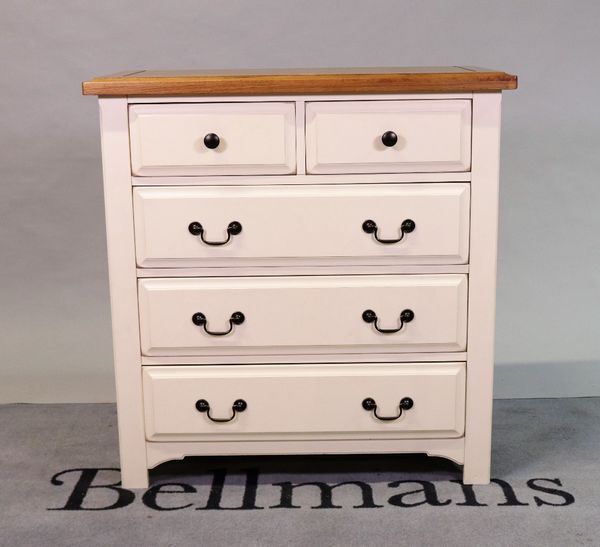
300	139
300	98
160	452
299	357
303	291
345	136
304	401
123	294
286	313
364	178
256	138
289	267
315	222
482	286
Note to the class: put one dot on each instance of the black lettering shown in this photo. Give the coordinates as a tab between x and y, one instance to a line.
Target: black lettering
326	491
250	490
216	492
509	494
469	493
149	497
427	489
568	498
84	485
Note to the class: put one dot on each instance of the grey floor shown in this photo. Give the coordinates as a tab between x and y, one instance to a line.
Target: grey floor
55	460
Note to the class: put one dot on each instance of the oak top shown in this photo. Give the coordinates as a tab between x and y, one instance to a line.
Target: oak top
300	81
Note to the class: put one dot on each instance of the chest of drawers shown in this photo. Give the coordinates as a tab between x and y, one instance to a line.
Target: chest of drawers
302	261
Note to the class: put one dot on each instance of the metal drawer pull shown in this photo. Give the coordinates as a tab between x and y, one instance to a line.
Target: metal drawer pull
212	141
405	404
233	229
389	139
370	227
238	406
237	318
406	316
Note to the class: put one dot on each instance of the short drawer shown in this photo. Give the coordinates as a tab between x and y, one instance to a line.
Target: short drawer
302	314
277	402
324	224
212	139
388	136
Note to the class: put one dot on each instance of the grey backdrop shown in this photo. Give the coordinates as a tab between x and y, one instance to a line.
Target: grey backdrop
54	316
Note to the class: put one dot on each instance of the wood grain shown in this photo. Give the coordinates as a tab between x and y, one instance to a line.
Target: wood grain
300	81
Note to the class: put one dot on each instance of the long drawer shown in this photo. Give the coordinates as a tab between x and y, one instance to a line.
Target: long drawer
312	314
212	139
388	136
264	402
378	224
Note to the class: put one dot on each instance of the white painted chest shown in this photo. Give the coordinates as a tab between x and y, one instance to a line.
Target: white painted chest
302	261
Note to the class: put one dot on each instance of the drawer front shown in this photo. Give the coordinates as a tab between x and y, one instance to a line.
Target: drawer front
321	223
304	401
253	139
348	136
308	314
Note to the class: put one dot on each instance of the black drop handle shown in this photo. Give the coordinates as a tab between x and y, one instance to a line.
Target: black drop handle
369	404
199	319
212	141
239	405
406	316
407	226
233	229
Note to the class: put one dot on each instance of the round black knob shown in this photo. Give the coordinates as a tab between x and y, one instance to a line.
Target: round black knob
237	318
406	316
199	319
234	228
195	228
408	226
389	138
202	405
406	403
211	141
369	316
239	405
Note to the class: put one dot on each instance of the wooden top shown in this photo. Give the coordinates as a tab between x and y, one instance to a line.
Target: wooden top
300	81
